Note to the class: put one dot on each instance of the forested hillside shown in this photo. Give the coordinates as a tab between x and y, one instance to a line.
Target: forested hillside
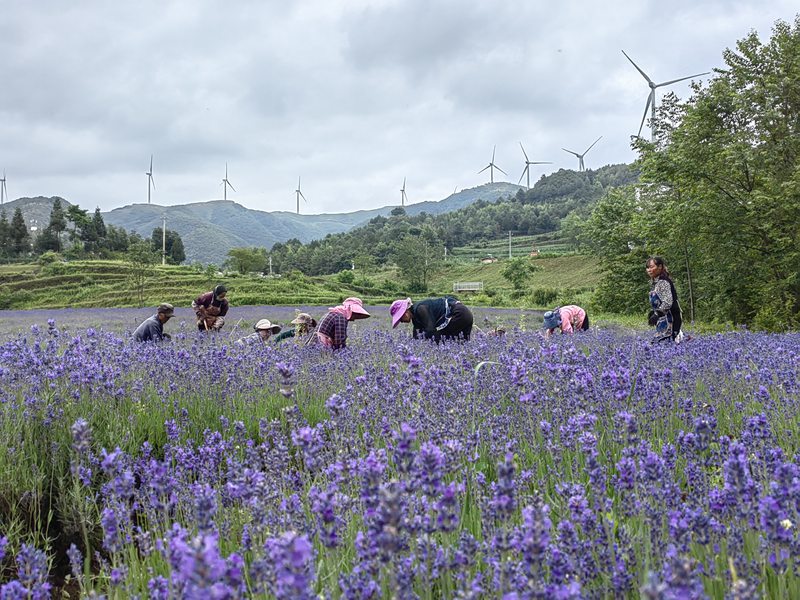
384	239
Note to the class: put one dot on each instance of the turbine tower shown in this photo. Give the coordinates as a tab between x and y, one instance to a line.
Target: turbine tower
299	195
528	163
651	98
150	180
226	184
3	189
403	196
491	166
581	166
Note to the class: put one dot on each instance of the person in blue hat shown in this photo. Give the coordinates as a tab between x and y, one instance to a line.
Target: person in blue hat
569	319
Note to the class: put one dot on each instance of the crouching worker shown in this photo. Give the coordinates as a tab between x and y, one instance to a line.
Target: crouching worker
264	329
211	309
303	323
569	319
332	330
152	329
435	318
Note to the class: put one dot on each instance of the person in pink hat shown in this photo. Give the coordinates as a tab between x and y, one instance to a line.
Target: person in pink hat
435	318
332	329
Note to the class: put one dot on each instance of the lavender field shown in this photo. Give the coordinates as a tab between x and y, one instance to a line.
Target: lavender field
594	466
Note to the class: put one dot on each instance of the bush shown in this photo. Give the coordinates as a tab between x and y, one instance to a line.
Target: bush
49	257
544	296
346	277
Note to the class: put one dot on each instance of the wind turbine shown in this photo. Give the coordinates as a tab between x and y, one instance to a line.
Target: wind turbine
150	180
581	166
491	166
299	195
403	196
3	189
651	99
528	163
226	184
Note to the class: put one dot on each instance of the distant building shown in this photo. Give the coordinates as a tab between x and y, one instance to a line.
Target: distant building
488	259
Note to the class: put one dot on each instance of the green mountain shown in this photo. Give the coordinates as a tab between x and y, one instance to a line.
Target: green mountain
35	211
210	229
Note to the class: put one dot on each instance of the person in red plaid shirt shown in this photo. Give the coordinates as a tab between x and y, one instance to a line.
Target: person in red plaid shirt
332	329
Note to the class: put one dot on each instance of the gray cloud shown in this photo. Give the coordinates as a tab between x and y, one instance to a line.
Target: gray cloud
353	96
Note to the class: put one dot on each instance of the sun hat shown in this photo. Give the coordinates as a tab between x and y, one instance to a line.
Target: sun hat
267	324
356	307
398	309
304	319
166	308
552	319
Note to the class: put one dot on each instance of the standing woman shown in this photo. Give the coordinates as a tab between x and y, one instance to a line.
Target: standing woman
665	313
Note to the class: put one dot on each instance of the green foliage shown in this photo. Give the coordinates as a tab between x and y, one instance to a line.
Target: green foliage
722	199
247	260
5	236
518	272
346	276
172	243
544	296
415	257
18	232
141	263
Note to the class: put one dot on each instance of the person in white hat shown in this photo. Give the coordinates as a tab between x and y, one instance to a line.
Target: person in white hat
263	330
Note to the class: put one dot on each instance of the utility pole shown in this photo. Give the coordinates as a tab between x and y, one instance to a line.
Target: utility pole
445	254
163	240
509	245
270	265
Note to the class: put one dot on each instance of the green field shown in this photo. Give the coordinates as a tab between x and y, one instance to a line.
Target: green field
103	283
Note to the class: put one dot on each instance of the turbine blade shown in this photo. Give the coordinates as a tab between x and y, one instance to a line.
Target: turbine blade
501	170
301	195
681	79
646	108
523	151
151	163
571	152
233	188
637	68
590	147
537	162
493	150
153	181
484	168
525	170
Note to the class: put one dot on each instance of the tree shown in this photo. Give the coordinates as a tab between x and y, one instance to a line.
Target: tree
80	221
723	172
247	260
517	272
416	259
141	265
5	236
58	222
175	253
20	237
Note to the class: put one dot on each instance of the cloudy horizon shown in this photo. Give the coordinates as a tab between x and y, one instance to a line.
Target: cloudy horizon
352	97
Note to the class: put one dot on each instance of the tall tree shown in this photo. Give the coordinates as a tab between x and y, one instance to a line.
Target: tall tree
175	253
20	237
141	264
58	222
417	258
720	194
5	235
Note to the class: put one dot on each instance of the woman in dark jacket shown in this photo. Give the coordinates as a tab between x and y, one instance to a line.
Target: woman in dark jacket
435	318
665	313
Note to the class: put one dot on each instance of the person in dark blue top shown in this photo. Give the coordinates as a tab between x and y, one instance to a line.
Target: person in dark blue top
152	329
435	318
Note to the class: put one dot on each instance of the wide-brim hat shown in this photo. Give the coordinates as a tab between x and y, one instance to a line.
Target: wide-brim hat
552	319
266	324
398	309
304	319
356	307
166	308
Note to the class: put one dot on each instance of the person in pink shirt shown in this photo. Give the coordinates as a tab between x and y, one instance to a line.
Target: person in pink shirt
569	319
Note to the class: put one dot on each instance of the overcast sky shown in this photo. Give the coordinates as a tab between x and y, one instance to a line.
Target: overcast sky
351	96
